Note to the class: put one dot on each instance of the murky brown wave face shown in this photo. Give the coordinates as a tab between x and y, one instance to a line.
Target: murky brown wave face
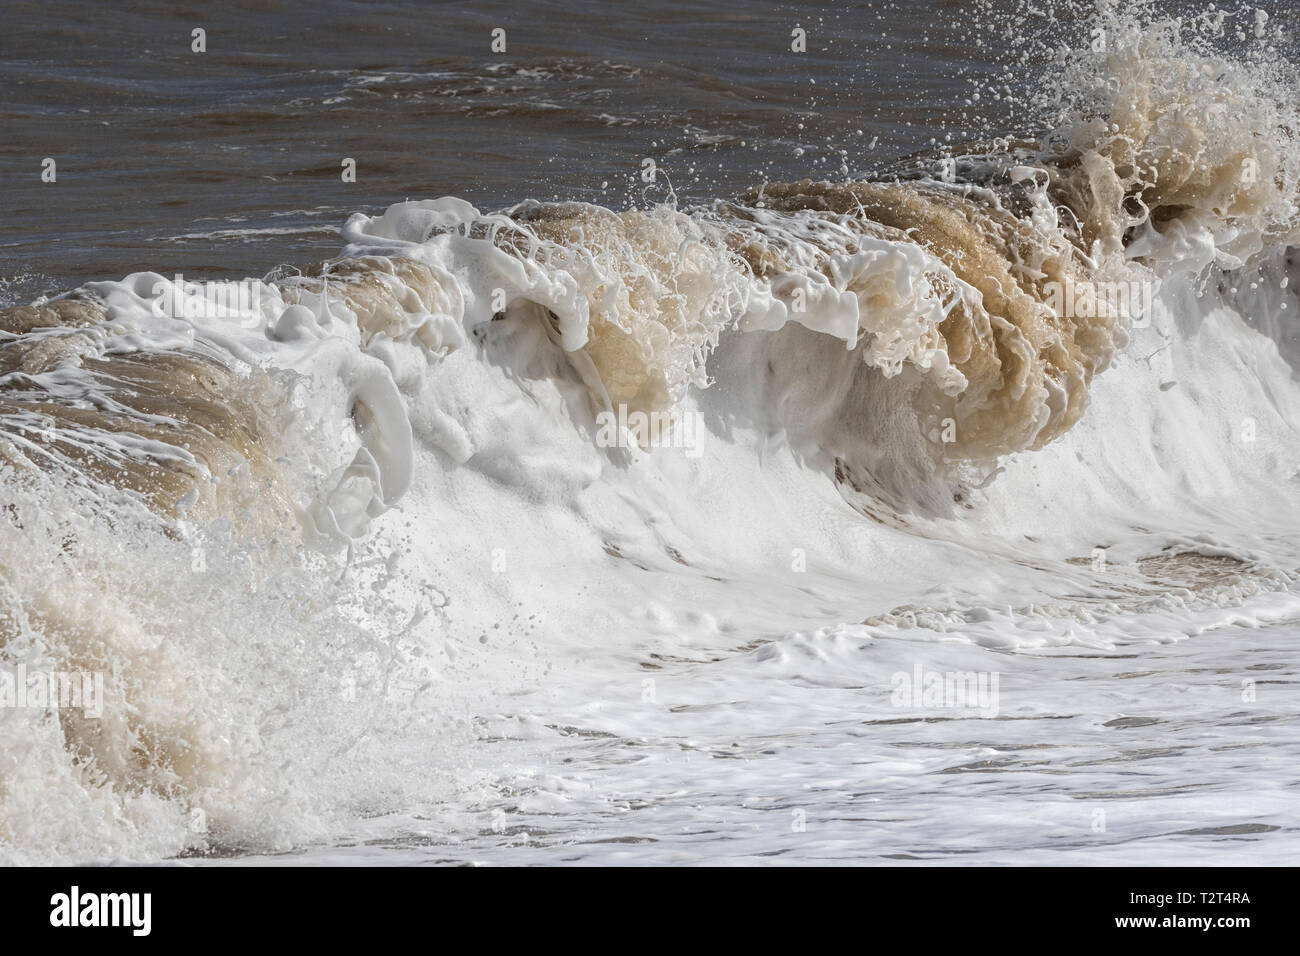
168	426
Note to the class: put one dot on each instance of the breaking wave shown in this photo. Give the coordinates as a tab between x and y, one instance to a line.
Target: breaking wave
200	478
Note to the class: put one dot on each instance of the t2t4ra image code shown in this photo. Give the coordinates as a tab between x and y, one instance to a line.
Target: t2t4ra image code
650	434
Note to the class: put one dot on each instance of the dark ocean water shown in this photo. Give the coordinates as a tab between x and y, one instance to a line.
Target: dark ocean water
227	162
